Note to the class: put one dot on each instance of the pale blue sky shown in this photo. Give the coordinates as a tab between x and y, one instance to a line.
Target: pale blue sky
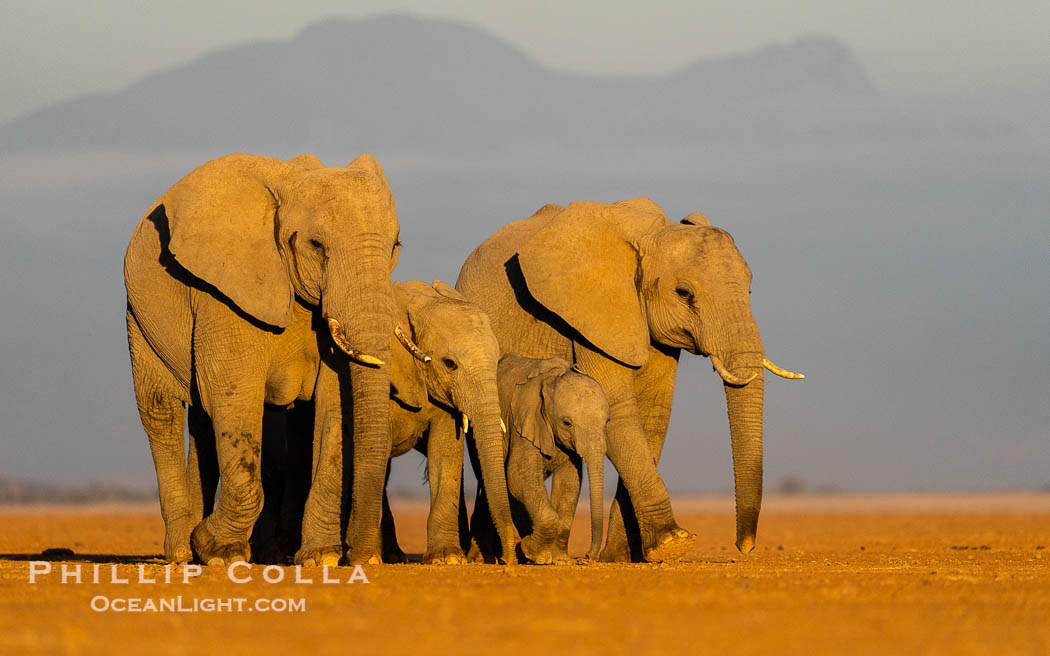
898	239
53	49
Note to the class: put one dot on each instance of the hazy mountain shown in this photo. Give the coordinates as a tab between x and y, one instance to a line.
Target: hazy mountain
416	84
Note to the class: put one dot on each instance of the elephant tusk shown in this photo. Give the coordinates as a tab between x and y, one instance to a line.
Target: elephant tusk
783	373
466	423
416	352
729	378
340	339
502	426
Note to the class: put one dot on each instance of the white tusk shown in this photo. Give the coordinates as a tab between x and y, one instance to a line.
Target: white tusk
339	337
416	352
466	423
783	373
727	376
502	425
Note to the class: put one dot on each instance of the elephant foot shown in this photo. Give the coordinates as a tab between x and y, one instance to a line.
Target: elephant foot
670	546
363	557
177	541
215	553
445	555
316	556
539	551
616	550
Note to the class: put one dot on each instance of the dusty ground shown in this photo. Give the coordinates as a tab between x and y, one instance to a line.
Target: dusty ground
853	575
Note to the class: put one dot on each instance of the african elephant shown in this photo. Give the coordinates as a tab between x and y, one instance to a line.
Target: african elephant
443	383
556	421
619	290
222	275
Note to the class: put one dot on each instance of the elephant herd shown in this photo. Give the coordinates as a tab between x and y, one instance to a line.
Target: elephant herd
261	288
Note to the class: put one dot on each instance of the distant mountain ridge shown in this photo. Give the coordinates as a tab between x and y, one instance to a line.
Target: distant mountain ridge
421	84
18	491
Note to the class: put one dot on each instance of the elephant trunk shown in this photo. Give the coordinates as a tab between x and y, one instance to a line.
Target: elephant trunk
596	481
737	355
744	405
488	439
363	308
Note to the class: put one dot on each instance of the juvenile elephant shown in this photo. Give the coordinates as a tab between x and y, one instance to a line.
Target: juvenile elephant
556	419
224	275
443	382
619	290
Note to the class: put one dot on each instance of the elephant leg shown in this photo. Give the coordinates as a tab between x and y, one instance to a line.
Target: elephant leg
654	389
659	538
300	420
202	469
163	417
565	494
222	537
321	539
390	549
525	483
445	466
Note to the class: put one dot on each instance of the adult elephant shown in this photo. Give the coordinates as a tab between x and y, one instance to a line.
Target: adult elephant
215	273
619	290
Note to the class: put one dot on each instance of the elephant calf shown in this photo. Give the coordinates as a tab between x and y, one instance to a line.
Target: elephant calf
556	421
441	385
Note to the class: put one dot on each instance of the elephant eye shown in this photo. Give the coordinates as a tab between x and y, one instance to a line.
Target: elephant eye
450	363
685	294
316	244
566	422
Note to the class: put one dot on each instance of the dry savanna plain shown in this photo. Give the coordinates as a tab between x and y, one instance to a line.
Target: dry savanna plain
893	574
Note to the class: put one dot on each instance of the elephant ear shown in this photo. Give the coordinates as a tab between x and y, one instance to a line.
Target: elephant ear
696	219
583	264
413	294
221	218
522	382
548	368
406	378
526	420
448	291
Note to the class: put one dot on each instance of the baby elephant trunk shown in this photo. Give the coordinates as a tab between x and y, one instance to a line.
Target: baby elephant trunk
596	479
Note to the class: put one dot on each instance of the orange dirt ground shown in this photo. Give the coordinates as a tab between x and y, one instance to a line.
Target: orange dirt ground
843	575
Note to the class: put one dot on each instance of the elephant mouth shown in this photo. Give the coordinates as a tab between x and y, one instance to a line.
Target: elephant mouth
692	344
737	381
731	379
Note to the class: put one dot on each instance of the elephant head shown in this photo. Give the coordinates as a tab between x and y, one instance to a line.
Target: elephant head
450	358
553	406
260	231
623	276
